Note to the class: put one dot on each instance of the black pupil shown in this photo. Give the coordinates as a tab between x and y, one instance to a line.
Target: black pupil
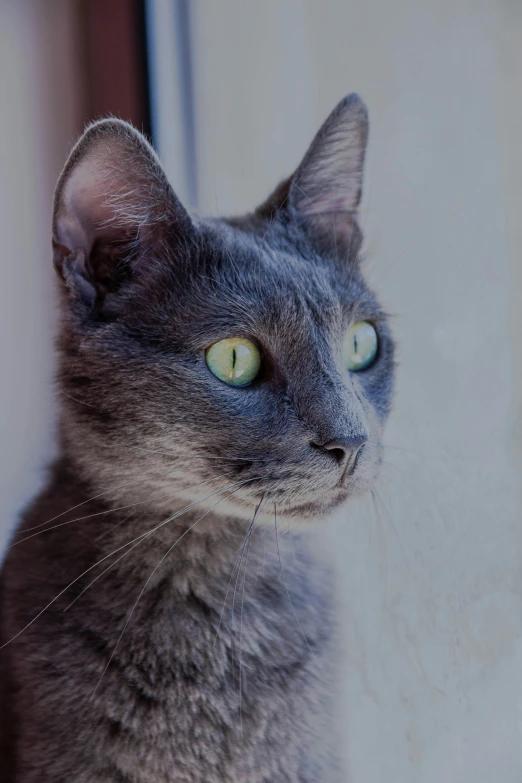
233	358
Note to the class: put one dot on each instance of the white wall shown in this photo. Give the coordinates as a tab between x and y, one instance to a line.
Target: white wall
38	96
430	579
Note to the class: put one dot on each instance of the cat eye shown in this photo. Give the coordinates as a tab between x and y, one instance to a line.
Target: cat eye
235	361
360	346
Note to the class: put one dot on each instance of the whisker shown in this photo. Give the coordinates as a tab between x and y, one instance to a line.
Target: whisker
129	483
80	402
89	500
106	570
107	492
284	582
245	549
115	527
377	497
241	620
236	563
120	508
262	560
247	539
232	574
392	465
124	546
129	617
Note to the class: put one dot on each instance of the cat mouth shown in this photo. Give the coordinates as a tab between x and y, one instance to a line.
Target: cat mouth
303	503
312	508
295	493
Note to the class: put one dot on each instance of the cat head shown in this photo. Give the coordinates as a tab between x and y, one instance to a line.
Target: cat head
239	359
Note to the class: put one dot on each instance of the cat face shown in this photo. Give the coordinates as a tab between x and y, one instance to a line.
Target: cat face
148	292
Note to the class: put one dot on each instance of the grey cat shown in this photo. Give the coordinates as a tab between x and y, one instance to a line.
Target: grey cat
163	615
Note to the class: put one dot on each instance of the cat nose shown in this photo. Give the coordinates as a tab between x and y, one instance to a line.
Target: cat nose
344	447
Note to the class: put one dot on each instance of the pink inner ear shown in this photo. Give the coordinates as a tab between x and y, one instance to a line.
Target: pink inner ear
84	208
113	187
100	199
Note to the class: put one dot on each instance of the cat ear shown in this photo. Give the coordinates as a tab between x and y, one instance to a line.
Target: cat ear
112	203
325	191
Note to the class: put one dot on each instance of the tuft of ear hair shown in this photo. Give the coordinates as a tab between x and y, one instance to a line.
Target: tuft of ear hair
112	202
325	190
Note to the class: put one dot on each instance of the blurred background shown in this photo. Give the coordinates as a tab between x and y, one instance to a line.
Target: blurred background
231	93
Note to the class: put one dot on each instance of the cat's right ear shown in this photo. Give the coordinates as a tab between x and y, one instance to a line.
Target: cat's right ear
113	204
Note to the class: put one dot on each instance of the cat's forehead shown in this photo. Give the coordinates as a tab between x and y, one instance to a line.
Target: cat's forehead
269	270
241	282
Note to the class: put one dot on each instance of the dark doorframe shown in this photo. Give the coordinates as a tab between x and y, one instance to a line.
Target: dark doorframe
114	47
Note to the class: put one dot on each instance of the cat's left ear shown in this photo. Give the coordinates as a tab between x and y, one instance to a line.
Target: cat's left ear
113	203
325	191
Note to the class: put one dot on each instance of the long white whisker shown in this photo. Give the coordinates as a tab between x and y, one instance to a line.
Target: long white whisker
129	616
286	587
245	548
376	496
125	484
107	492
232	574
245	543
124	546
80	402
241	625
115	527
111	565
121	508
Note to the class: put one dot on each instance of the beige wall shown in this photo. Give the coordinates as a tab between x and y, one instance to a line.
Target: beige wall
430	578
38	96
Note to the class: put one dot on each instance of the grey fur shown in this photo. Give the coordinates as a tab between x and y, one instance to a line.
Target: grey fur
219	675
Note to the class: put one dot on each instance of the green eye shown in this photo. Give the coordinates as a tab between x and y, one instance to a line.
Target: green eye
235	361
360	346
